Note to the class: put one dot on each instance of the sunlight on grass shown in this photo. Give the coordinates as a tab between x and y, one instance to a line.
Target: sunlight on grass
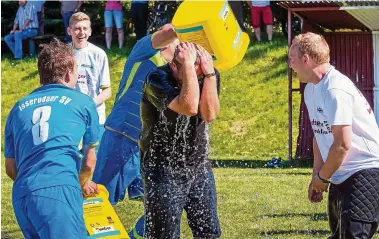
253	121
249	205
252	202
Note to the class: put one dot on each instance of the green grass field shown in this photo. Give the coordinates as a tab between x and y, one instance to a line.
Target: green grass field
253	202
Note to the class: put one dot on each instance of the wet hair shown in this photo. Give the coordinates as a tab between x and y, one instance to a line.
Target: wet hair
54	61
314	45
77	17
176	52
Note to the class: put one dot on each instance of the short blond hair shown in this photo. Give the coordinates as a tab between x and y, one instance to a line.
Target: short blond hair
314	45
77	17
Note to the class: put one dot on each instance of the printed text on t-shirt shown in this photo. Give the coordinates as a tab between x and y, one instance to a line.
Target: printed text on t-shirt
321	127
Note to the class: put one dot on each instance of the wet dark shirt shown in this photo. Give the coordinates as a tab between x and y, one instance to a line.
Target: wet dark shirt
168	138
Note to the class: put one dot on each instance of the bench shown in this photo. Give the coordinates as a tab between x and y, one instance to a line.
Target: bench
37	40
32	43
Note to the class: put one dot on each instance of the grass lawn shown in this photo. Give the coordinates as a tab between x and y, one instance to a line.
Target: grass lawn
253	202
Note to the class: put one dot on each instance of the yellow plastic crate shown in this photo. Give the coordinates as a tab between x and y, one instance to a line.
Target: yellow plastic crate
212	25
100	218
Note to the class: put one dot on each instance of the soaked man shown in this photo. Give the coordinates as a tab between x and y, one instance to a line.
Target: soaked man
118	169
179	99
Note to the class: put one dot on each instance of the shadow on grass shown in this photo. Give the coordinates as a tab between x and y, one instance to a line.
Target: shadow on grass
120	54
9	234
299	232
297	173
30	76
275	73
230	163
272	70
312	216
257	50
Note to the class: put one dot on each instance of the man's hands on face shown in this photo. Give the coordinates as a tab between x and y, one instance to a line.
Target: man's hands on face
206	61
90	189
187	53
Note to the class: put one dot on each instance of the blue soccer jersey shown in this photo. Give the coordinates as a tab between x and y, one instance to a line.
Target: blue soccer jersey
43	132
125	115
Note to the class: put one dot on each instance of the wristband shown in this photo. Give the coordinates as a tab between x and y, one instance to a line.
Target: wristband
210	75
323	179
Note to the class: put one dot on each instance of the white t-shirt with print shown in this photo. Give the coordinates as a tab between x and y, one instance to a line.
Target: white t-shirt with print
335	100
93	74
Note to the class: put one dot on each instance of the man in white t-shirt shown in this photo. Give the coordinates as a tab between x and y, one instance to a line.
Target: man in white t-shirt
345	144
93	68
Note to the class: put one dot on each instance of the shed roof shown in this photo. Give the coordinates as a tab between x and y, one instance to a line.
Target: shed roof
336	15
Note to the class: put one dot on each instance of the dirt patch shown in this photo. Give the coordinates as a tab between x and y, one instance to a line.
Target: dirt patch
240	127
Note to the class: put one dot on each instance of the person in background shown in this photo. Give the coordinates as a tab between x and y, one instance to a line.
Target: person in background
25	26
113	12
237	8
139	11
40	8
259	10
345	143
67	9
93	68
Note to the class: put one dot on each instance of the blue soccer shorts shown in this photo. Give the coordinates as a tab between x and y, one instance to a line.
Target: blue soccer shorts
53	212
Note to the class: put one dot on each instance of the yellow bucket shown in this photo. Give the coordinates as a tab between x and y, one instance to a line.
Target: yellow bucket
212	25
100	218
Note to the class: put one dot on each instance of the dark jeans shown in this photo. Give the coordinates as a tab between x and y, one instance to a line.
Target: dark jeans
66	21
343	224
139	13
237	8
14	40
41	23
168	193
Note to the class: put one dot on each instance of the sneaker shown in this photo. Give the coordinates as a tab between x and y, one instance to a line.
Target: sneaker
274	163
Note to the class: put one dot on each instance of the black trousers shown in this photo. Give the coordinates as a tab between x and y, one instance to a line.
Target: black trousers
344	221
139	13
41	23
237	8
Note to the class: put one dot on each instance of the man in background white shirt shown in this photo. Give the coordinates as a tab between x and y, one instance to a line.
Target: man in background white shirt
93	68
345	144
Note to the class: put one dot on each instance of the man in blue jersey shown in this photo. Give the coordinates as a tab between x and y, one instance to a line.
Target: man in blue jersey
119	168
42	135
